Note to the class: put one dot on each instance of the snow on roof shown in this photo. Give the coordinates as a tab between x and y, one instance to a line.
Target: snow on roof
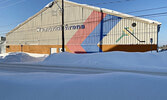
112	12
49	4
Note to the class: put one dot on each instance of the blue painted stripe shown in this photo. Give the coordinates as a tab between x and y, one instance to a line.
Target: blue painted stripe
90	44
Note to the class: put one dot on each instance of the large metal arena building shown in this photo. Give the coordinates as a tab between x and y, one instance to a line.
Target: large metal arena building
88	29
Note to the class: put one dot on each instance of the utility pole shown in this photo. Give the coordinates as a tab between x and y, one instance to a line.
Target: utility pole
63	50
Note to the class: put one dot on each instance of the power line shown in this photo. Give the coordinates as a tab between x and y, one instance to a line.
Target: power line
4	31
103	3
68	6
13	4
119	1
74	22
154	14
128	12
146	15
3	1
10	24
150	9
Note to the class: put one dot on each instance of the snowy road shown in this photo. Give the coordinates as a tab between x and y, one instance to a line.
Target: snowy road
27	68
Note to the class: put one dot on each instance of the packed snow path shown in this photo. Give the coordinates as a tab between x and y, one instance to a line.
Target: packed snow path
26	68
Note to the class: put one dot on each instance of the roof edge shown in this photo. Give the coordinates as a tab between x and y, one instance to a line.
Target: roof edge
108	11
116	13
29	19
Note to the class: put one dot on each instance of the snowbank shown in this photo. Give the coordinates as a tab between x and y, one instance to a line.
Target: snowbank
154	62
109	60
112	86
3	55
19	57
115	60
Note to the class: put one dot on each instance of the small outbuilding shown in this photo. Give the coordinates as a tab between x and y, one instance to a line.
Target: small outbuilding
2	45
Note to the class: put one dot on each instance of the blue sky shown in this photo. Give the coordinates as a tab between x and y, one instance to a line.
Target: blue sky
13	12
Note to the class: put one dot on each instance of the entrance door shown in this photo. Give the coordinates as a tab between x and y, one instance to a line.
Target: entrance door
53	50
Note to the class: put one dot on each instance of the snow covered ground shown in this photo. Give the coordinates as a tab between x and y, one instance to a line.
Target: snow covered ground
115	85
111	86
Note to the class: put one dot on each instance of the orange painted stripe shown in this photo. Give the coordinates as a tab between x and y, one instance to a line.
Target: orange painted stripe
91	23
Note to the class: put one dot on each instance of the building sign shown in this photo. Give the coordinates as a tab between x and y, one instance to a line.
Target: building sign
59	28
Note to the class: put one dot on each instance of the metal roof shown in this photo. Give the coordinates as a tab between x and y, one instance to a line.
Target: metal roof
108	11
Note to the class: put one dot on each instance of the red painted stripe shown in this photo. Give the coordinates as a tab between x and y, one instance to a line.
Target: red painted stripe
91	23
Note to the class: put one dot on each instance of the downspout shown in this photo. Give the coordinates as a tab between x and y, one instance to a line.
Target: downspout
101	32
158	30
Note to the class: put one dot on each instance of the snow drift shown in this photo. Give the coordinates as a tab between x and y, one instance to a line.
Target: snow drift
109	59
19	57
98	60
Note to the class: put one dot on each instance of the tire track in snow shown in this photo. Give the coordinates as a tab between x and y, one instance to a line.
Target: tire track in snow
26	68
